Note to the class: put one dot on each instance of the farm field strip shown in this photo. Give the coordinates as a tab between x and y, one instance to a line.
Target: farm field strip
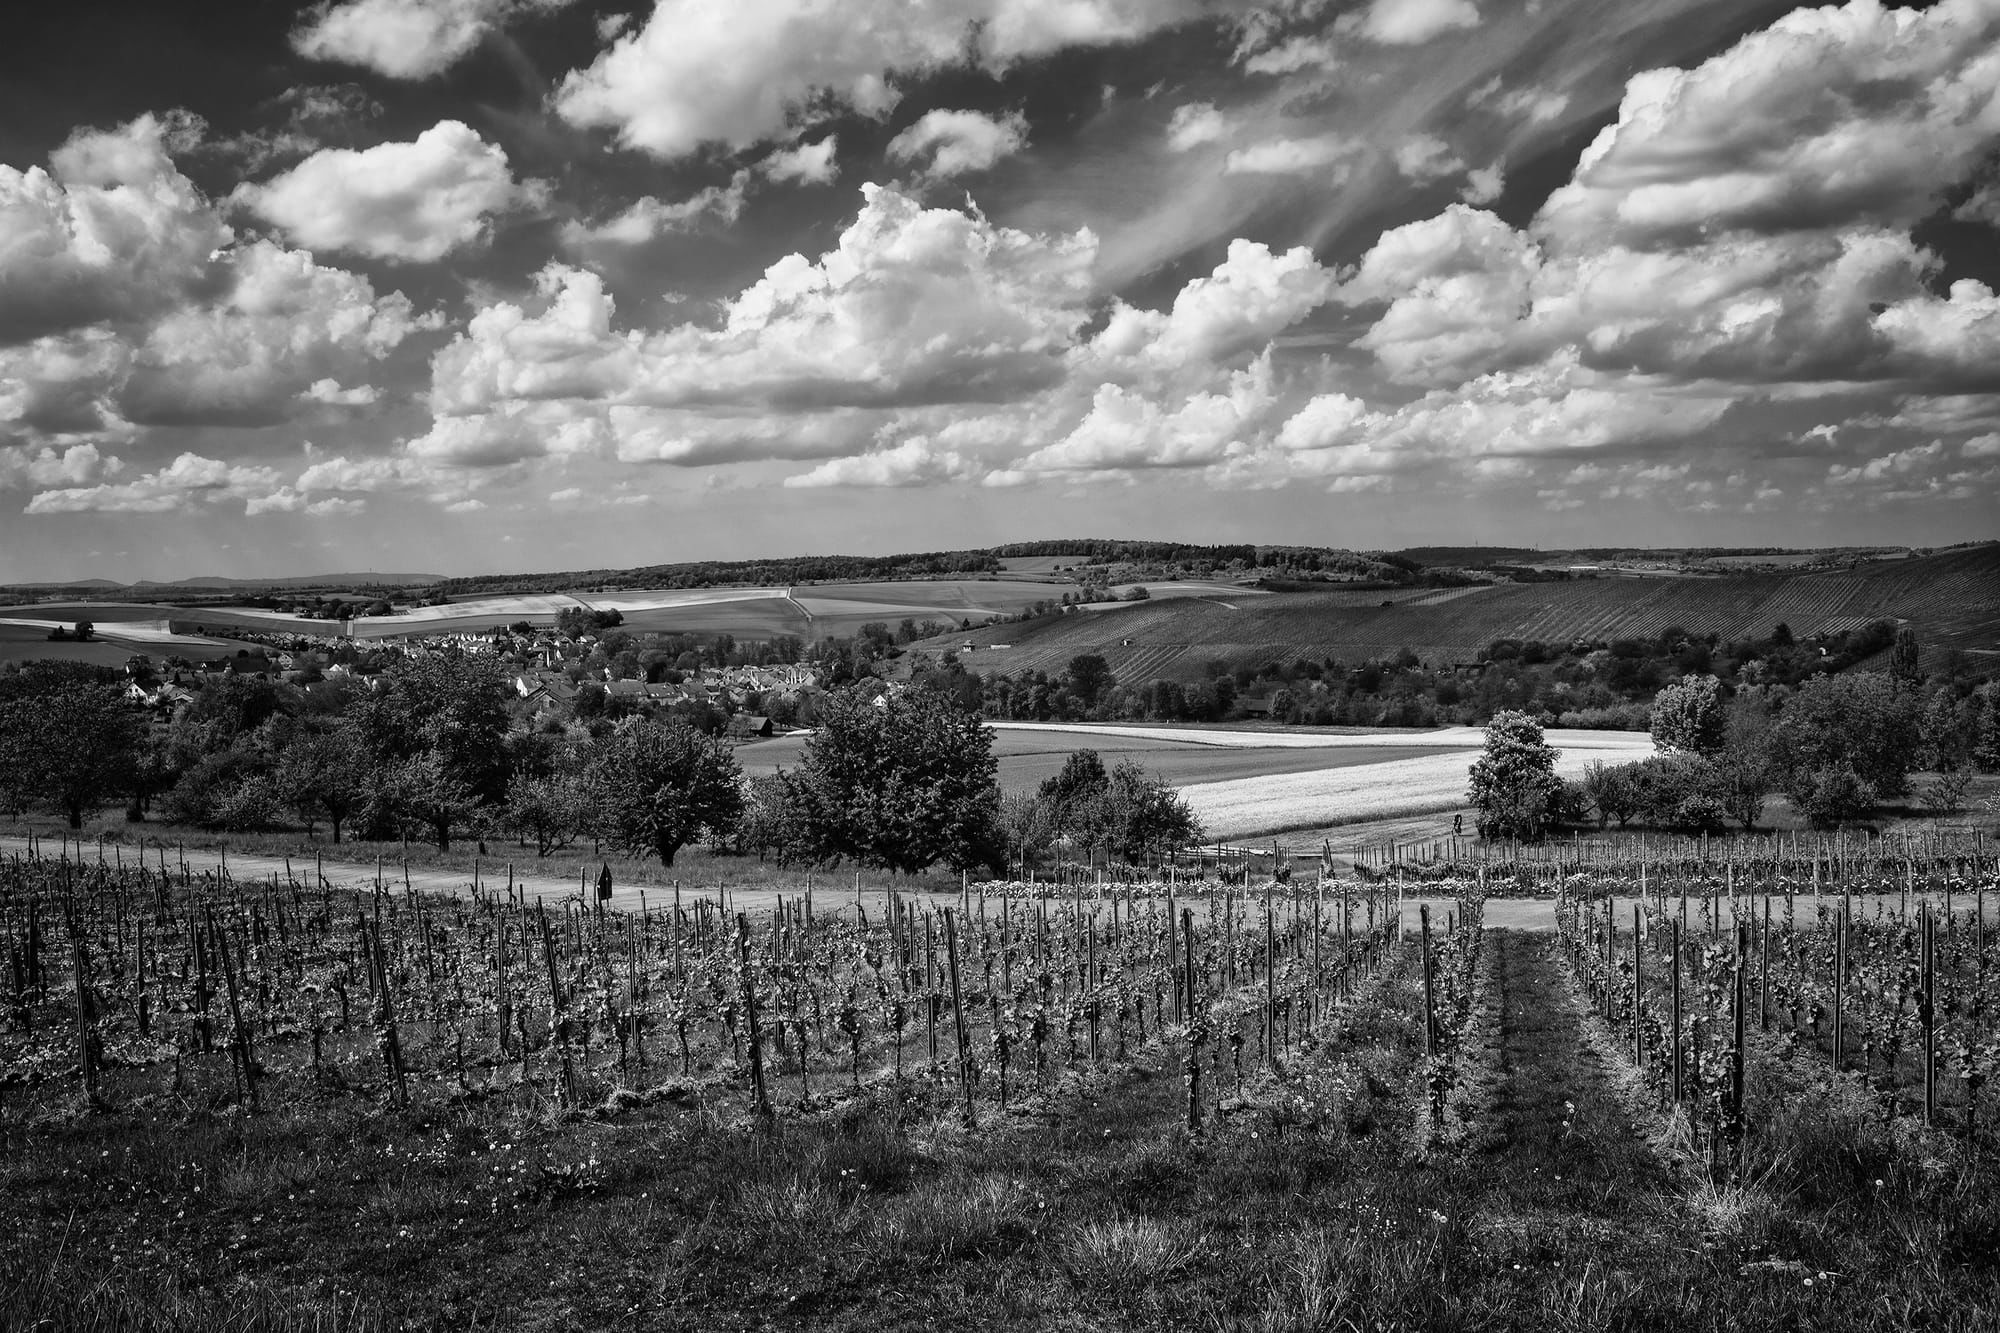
1455	738
1248	807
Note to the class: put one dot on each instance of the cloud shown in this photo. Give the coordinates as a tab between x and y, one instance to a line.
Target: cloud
189	480
1194	124
648	218
113	231
808	164
956	142
1412	22
1422	158
912	306
404	39
1131	429
77	465
1290	156
414	202
1251	297
1852	115
712	72
284	328
1293	55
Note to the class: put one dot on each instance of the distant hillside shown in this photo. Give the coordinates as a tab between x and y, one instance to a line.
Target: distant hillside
1952	599
22	592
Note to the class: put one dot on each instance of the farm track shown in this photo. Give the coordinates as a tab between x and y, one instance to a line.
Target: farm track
1554	1185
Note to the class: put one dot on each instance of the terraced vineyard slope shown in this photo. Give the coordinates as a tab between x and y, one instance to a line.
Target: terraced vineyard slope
1951	599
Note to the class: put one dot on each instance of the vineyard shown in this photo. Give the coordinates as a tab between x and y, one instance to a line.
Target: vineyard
1212	1099
1949	599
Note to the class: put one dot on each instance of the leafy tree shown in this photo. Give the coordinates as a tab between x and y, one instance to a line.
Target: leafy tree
548	809
1904	657
1081	780
660	784
1610	792
1945	732
1743	781
1089	676
1689	717
429	796
1833	795
1514	779
1861	723
69	738
323	773
1143	816
905	784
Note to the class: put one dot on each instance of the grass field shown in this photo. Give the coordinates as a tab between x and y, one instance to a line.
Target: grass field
28	640
1951	600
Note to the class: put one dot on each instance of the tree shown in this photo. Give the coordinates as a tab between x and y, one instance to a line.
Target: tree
1514	779
426	793
904	785
1744	780
659	784
548	809
1608	789
85	631
1143	816
68	738
324	773
1089	676
1689	717
1833	795
1904	657
1081	780
1862	724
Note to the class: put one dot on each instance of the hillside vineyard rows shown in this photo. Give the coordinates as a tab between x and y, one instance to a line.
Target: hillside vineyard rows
1949	596
1687	1013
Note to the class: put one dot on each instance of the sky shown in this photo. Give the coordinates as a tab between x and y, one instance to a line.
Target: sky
463	286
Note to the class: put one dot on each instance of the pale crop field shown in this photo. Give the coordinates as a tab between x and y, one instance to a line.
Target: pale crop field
667	597
1280	802
1442	738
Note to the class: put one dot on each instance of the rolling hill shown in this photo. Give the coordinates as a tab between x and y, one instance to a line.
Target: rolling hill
1952	599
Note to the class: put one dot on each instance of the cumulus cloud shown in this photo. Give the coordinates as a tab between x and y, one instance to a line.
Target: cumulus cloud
285	327
1251	297
23	466
1127	429
1290	156
189	480
112	230
952	143
1194	124
404	39
808	164
1858	114
414	202
1412	22
709	71
913	306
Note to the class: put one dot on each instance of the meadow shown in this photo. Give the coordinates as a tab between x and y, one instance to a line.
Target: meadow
267	1104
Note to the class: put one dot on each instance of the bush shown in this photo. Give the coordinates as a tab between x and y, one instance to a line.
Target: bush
1835	795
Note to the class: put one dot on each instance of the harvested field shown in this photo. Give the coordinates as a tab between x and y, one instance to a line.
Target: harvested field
1284	802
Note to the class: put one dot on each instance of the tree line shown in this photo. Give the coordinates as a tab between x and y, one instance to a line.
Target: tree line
1838	748
433	753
